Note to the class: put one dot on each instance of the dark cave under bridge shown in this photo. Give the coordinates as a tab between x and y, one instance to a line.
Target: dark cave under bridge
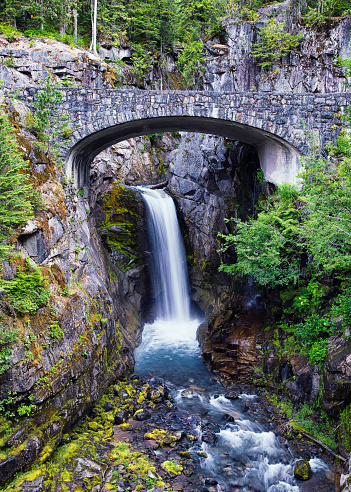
276	124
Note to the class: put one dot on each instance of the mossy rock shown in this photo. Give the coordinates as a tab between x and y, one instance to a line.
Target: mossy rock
120	229
302	470
172	467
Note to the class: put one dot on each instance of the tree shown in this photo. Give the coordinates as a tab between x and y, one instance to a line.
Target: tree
17	196
195	17
310	227
94	8
191	62
48	123
274	42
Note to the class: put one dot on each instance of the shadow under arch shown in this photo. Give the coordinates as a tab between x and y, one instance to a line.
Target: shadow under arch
279	160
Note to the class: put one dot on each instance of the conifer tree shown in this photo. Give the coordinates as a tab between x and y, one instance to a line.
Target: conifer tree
16	194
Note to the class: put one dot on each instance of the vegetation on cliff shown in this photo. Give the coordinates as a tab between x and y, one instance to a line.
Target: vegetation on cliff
301	240
17	196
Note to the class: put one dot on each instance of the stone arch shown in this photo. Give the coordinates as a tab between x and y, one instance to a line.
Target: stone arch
278	158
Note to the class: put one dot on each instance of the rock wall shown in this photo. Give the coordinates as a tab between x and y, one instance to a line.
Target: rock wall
311	67
71	349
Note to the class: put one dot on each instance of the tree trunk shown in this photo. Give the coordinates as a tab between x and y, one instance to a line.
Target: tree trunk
75	26
93	25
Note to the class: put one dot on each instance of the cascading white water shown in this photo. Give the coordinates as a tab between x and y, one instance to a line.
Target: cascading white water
173	327
169	274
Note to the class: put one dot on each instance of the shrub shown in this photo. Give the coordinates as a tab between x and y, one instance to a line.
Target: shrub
28	291
9	32
274	43
191	62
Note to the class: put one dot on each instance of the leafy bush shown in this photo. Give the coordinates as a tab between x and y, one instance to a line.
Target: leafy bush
57	36
9	32
48	123
55	330
28	291
274	42
313	334
142	60
268	248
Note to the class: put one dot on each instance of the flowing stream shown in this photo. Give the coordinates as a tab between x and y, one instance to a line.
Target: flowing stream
242	453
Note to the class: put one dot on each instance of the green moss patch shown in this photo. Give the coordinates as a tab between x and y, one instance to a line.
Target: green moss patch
119	228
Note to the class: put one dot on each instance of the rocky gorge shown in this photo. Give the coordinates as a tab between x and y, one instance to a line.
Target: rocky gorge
91	250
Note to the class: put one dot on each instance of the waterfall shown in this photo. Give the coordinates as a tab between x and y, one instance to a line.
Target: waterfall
169	274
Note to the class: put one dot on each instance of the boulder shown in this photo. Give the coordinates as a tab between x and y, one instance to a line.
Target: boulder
302	470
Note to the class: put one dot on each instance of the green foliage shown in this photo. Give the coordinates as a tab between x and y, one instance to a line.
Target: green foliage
64	38
28	291
274	42
313	334
142	61
56	331
343	308
7	337
345	62
17	197
191	62
9	32
48	123
345	428
25	409
268	248
196	18
318	11
311	419
314	223
302	239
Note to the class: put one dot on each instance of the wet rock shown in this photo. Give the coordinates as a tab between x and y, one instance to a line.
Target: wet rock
157	391
302	470
10	466
121	416
211	481
141	415
231	395
209	437
108	406
187	393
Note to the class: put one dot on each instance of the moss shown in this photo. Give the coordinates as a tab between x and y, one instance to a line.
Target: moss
125	427
302	470
173	466
119	228
161	437
202	454
344	431
95	426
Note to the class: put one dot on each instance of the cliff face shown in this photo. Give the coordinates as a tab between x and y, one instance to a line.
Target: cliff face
71	349
311	67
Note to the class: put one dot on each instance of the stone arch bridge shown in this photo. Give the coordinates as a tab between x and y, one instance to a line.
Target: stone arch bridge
276	124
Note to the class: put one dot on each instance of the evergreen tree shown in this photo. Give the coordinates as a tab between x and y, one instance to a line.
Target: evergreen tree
16	194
